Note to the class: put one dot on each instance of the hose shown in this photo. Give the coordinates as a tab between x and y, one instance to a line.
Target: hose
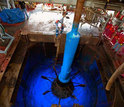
114	76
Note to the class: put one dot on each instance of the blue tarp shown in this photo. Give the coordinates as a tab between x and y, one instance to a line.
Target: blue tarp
12	16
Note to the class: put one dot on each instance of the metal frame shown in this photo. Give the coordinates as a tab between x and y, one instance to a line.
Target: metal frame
94	19
7	36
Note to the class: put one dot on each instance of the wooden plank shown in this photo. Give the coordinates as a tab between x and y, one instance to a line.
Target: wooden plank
60	44
77	105
78	11
9	54
55	105
10	78
41	38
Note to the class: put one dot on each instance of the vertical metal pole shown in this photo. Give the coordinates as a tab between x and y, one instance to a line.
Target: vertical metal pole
72	40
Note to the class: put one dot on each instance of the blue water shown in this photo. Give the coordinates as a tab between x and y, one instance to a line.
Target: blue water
32	85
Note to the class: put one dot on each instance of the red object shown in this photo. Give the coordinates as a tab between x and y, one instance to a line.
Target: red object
30	9
121	39
2	48
122	75
116	37
16	24
107	29
49	4
117	15
111	31
121	18
57	21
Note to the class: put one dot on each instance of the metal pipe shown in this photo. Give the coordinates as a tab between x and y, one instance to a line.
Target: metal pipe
114	76
3	30
72	40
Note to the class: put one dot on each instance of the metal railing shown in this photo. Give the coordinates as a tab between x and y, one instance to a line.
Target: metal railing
95	18
3	37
